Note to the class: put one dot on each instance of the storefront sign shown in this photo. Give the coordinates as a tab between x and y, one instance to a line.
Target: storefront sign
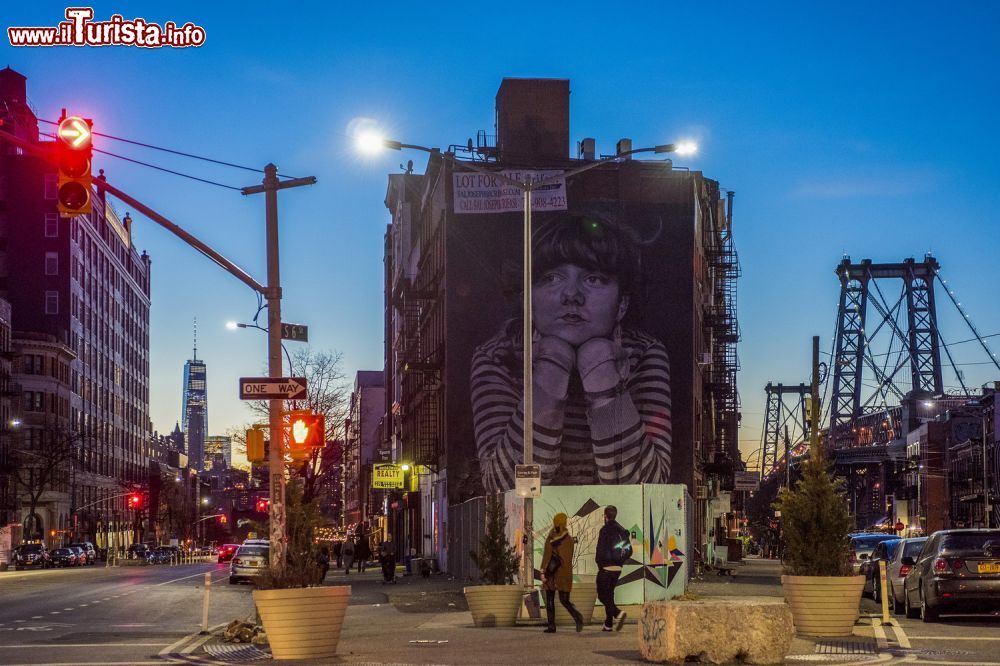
387	476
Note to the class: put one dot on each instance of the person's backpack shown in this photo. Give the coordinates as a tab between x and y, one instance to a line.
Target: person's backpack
621	551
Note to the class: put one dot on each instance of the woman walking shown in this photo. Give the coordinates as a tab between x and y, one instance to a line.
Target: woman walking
557	572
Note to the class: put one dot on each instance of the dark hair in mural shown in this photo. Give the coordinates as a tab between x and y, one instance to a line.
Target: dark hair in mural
592	241
602	393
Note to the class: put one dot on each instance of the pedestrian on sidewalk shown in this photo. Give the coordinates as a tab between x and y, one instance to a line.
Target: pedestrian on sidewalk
323	559
614	548
348	553
557	572
362	552
387	558
337	546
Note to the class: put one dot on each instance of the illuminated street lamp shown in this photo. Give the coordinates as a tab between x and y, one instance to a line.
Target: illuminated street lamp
372	142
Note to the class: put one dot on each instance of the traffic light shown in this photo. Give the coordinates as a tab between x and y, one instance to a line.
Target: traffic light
73	153
223	519
306	432
135	501
255	445
263	504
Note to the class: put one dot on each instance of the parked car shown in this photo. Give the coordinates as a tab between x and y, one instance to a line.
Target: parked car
896	571
226	552
248	562
862	546
88	549
64	557
138	551
956	570
81	555
30	555
870	569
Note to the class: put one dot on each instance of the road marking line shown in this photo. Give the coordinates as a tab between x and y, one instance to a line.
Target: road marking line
35	645
901	637
200	573
879	632
69	609
196	644
84	605
18	620
955	638
54	613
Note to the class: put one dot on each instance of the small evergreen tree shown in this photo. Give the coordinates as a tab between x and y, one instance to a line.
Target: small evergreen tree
301	566
497	559
815	522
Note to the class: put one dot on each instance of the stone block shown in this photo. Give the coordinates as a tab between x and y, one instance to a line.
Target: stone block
716	631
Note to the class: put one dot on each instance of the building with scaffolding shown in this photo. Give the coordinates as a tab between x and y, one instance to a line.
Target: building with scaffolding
452	280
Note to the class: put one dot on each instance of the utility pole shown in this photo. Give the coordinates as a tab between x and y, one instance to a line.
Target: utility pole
276	457
986	486
814	445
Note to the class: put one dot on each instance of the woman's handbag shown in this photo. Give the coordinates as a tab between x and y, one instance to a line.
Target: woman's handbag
554	560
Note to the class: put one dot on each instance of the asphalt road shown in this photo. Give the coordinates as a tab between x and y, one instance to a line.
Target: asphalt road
956	639
107	616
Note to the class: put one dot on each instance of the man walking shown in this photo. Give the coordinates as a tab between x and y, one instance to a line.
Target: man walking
614	548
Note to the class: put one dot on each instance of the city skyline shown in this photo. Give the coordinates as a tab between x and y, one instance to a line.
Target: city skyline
879	151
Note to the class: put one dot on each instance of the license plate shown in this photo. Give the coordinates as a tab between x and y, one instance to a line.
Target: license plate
990	567
254	564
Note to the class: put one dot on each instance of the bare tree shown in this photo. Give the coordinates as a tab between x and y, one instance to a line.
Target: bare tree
328	393
41	462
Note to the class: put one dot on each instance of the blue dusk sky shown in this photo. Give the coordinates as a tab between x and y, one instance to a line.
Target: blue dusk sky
858	128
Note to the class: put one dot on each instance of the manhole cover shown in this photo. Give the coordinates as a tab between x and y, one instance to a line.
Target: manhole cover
236	653
845	646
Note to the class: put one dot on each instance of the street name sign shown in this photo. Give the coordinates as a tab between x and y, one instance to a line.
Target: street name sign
294	332
272	388
528	480
746	481
387	476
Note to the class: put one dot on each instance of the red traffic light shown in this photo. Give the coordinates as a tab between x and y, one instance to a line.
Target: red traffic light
223	519
73	161
263	504
135	501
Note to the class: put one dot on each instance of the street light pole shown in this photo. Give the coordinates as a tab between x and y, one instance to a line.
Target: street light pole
527	188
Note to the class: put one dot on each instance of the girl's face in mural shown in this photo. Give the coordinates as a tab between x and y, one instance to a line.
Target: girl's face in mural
577	304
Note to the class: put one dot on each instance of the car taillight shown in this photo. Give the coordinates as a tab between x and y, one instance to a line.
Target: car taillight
904	569
957	563
941	565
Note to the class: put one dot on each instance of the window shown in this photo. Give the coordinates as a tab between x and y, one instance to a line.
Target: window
51	186
52	263
51	302
51	225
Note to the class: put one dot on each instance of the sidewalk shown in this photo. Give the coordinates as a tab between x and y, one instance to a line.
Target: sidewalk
426	621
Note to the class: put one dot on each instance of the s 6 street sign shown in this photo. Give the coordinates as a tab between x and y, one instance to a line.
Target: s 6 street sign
294	332
272	388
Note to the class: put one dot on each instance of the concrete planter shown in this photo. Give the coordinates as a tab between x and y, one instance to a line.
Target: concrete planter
304	622
494	605
823	605
584	597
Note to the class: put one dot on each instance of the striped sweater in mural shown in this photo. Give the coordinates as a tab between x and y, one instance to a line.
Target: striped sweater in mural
621	441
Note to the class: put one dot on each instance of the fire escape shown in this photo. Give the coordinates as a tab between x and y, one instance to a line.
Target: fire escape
721	326
419	361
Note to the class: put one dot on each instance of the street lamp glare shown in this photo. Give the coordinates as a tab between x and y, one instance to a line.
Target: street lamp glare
231	325
370	142
686	148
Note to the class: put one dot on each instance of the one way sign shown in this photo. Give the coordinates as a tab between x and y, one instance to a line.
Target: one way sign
272	388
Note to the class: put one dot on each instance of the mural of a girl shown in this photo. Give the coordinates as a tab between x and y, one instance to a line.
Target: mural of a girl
601	390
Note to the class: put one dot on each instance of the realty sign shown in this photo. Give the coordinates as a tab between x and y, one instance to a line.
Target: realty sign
387	476
477	192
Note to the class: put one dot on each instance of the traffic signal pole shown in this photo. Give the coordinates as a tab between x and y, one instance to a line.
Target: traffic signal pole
276	455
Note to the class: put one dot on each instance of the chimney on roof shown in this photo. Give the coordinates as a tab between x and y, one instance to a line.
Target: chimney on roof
533	120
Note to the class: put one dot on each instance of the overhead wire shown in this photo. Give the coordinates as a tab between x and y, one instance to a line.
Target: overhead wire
171	151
